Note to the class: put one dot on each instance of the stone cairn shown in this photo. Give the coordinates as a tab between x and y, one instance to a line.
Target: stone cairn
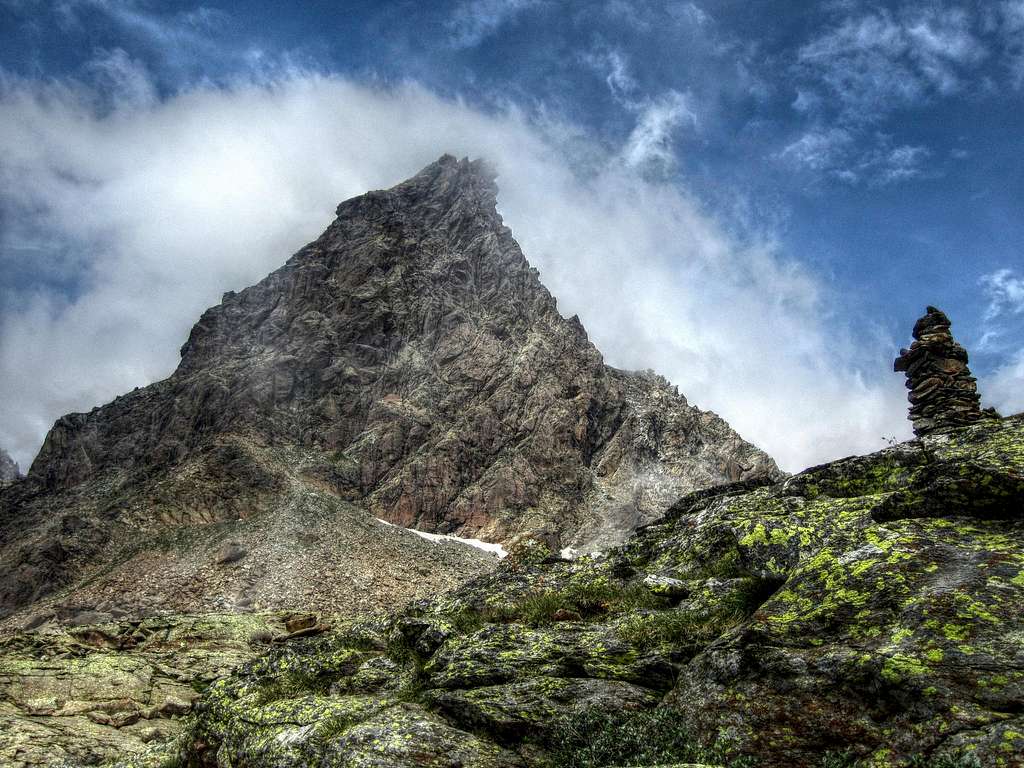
943	393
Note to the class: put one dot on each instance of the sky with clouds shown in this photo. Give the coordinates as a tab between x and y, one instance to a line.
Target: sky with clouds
755	200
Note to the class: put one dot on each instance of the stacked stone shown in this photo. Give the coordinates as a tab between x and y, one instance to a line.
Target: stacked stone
943	393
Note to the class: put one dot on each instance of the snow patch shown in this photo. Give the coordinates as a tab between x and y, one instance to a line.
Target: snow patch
291	736
437	538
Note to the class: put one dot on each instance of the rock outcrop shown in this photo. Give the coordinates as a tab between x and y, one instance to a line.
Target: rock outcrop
82	695
861	613
406	365
943	393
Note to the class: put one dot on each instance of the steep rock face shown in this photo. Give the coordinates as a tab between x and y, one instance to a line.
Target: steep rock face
409	361
861	613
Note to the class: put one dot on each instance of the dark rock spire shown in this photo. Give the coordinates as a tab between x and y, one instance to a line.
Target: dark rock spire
943	393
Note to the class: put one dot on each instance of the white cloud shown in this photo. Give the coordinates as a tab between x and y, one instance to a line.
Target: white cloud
943	45
1013	15
877	62
1004	389
1005	292
650	145
806	101
125	80
888	165
169	31
164	205
620	82
646	16
475	20
819	149
1012	29
614	66
856	74
836	152
181	45
689	13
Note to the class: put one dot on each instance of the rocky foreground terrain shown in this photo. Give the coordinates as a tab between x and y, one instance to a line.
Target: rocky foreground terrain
195	575
864	612
407	365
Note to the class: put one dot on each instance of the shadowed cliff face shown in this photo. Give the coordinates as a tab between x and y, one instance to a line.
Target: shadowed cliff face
408	361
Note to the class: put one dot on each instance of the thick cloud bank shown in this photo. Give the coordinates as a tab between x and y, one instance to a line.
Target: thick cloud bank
122	221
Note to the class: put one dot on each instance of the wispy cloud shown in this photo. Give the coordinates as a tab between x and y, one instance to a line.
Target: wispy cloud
184	44
650	145
169	30
1004	389
874	63
856	73
1005	292
123	80
820	149
885	164
474	21
1012	30
613	64
646	16
688	12
840	154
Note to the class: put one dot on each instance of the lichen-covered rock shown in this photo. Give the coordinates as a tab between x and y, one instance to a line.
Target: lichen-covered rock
503	653
106	691
516	710
865	610
893	631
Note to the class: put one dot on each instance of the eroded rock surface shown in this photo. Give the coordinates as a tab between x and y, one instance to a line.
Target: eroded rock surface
865	610
407	364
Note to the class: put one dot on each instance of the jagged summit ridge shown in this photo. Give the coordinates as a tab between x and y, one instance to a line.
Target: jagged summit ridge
408	361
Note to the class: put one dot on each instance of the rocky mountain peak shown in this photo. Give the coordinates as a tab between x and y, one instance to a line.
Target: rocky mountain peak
408	362
450	178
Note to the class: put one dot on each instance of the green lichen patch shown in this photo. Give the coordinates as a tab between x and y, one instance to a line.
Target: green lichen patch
598	738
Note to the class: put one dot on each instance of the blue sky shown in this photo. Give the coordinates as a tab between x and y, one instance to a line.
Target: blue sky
820	170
